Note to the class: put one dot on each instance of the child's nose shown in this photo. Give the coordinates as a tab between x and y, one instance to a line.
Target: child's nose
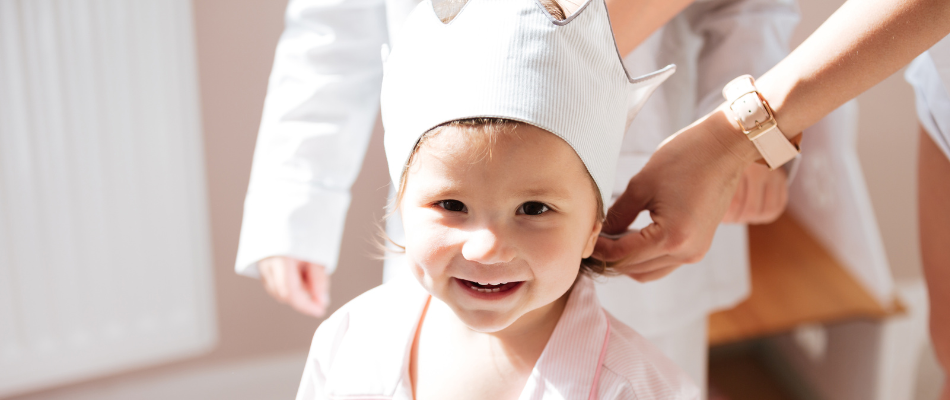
488	246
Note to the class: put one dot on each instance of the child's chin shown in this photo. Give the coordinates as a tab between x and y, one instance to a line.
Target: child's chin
486	321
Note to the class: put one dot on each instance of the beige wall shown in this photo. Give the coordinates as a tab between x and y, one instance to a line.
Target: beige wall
235	44
887	147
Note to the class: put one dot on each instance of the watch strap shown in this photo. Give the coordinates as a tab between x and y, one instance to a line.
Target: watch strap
774	147
755	118
738	87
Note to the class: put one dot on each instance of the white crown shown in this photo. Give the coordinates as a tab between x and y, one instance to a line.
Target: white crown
510	59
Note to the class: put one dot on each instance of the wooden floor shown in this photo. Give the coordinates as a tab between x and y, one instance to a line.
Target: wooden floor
742	375
794	281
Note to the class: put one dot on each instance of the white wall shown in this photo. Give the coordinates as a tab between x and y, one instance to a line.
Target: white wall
105	257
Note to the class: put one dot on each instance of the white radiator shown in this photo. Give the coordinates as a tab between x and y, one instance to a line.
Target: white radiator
104	243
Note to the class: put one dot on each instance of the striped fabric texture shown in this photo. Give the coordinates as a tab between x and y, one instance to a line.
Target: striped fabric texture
511	59
362	352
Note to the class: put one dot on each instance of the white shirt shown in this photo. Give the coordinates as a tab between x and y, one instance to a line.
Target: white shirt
323	99
362	352
929	74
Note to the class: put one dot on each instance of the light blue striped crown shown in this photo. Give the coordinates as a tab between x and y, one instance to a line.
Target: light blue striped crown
511	59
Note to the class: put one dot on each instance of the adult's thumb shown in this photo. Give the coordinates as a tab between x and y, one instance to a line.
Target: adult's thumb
622	213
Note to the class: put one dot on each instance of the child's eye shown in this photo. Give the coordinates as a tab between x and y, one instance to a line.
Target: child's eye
533	208
452	205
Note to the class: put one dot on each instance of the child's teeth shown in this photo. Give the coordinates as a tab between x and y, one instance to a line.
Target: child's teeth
497	287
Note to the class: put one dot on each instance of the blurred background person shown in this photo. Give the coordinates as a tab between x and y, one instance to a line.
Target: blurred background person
857	47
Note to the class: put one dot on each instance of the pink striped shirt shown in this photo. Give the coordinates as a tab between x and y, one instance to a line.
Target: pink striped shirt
362	352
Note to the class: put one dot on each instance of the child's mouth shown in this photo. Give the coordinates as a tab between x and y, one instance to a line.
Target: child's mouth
488	289
491	288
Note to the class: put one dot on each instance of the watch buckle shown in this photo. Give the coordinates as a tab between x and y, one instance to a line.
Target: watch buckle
755	131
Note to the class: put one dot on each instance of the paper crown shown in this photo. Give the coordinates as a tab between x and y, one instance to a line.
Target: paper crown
510	59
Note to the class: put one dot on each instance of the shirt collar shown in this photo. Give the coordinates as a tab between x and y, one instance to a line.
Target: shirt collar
373	356
568	365
370	364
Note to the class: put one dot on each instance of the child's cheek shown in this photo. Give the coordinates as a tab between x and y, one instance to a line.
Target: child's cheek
429	246
543	245
554	252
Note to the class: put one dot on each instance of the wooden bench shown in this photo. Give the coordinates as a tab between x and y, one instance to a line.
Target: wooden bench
794	281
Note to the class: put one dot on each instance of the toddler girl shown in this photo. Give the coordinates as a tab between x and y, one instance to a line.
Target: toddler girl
503	126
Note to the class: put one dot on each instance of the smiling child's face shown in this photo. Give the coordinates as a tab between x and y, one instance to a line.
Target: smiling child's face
498	235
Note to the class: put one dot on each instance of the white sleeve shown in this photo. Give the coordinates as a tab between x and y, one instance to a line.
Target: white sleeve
321	106
739	37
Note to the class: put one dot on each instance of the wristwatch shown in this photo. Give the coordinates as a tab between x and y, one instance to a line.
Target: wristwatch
757	121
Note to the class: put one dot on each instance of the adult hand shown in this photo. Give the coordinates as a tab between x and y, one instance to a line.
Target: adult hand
304	286
761	196
687	186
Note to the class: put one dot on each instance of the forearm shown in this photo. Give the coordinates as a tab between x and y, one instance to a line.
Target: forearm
860	45
633	21
934	218
739	37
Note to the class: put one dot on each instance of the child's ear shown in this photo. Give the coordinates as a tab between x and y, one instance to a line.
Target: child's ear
592	240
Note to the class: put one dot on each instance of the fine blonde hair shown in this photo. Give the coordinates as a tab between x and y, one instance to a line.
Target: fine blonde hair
553	8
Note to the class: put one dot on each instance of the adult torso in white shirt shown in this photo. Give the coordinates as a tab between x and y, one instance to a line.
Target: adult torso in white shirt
323	97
